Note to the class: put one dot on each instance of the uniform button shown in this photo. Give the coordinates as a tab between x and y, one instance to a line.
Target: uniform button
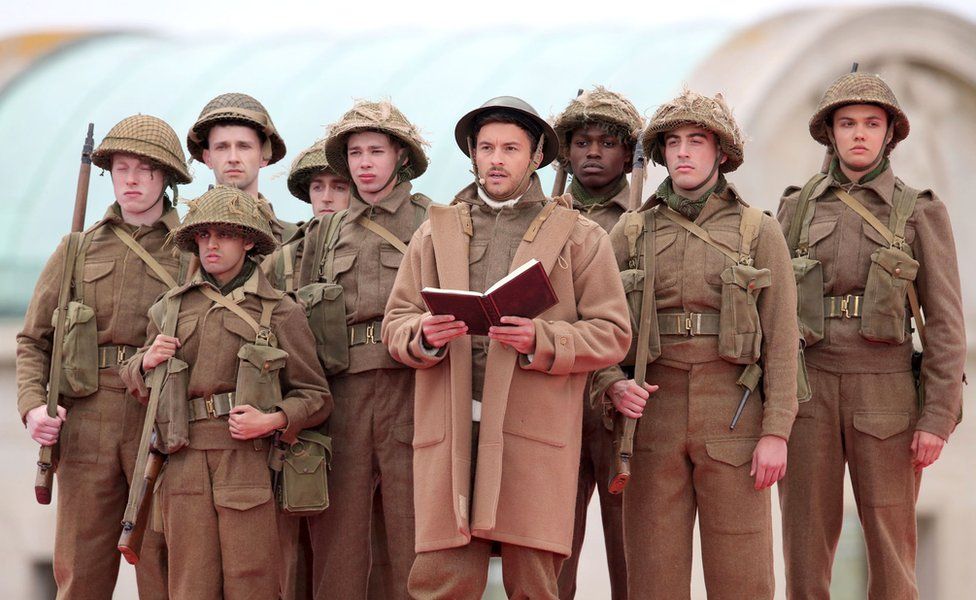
563	341
898	271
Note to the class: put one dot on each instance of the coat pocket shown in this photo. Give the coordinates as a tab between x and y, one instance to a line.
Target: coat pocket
241	497
735	452
884	316
881	425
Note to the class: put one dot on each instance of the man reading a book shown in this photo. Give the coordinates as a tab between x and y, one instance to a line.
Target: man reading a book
498	416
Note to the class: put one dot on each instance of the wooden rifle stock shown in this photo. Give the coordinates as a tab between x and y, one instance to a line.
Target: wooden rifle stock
625	427
47	460
559	185
130	542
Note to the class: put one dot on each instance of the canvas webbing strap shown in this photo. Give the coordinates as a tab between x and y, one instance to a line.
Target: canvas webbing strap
798	236
697	231
383	232
147	258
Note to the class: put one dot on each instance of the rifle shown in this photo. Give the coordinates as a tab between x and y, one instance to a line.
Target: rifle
47	460
624	427
559	185
130	542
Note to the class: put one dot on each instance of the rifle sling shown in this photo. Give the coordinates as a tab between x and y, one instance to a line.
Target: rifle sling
57	350
697	231
383	232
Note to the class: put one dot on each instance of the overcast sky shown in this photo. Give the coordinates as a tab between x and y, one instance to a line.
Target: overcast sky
249	17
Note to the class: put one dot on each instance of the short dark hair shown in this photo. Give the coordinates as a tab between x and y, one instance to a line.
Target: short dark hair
508	116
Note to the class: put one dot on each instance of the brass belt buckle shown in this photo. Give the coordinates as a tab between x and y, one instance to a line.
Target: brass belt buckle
211	409
690	324
120	355
369	334
845	303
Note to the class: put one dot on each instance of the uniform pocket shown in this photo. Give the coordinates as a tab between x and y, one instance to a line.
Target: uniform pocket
241	497
808	274
735	452
665	278
325	309
715	262
81	436
97	283
884	316
881	425
258	371
79	351
881	469
172	414
403	433
740	332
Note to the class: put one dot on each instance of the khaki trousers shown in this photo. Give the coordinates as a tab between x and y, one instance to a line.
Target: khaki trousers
596	466
372	435
379	572
295	573
687	461
462	573
220	524
867	421
99	442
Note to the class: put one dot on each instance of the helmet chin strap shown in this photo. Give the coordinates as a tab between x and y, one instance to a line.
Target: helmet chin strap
874	163
401	162
523	184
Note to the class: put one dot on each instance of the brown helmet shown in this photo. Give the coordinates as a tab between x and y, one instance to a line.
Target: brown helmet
231	207
382	117
306	165
602	107
148	137
858	88
518	108
235	108
691	108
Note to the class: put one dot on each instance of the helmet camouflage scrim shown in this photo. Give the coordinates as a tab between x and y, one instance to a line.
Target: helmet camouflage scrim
229	207
239	109
309	162
692	108
147	137
381	117
599	106
858	88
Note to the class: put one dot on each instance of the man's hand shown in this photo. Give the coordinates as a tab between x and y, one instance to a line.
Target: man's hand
43	429
926	449
518	332
247	422
438	330
629	398
768	461
162	349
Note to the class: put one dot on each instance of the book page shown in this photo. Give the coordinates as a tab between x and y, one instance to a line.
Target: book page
528	265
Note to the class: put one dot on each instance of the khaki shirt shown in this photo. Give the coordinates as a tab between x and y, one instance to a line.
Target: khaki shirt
365	265
115	283
210	337
688	279
606	214
843	242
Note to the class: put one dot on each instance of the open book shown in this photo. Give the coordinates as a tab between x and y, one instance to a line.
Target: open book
525	292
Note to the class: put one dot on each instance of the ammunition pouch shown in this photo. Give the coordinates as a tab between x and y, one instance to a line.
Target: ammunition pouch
740	333
303	483
803	391
172	418
638	281
633	280
258	384
884	316
325	308
808	274
79	358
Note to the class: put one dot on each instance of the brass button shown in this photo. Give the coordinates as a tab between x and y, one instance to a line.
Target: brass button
898	271
563	341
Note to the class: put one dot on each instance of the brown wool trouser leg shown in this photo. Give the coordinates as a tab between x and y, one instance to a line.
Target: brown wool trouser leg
379	570
462	573
372	432
99	442
219	519
596	464
294	573
686	460
866	420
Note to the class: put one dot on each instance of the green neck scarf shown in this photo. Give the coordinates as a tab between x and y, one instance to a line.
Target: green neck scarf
841	178
584	197
680	204
246	271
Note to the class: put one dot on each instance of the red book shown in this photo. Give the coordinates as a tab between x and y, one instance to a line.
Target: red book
525	292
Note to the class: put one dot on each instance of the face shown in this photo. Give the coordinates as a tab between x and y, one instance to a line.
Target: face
503	153
329	193
860	134
222	251
234	154
138	185
690	153
372	158
597	157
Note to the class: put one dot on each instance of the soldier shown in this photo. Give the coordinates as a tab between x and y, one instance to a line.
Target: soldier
235	137
380	151
121	269
864	243
498	417
597	134
724	297
216	499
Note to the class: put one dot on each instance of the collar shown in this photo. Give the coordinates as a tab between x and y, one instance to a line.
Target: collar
882	184
397	197
256	285
470	195
583	200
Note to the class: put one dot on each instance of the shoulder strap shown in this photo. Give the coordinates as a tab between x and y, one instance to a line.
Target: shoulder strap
383	232
904	205
540	218
419	209
286	262
646	314
749	226
222	300
633	228
798	235
147	258
329	243
171	316
697	231
865	214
